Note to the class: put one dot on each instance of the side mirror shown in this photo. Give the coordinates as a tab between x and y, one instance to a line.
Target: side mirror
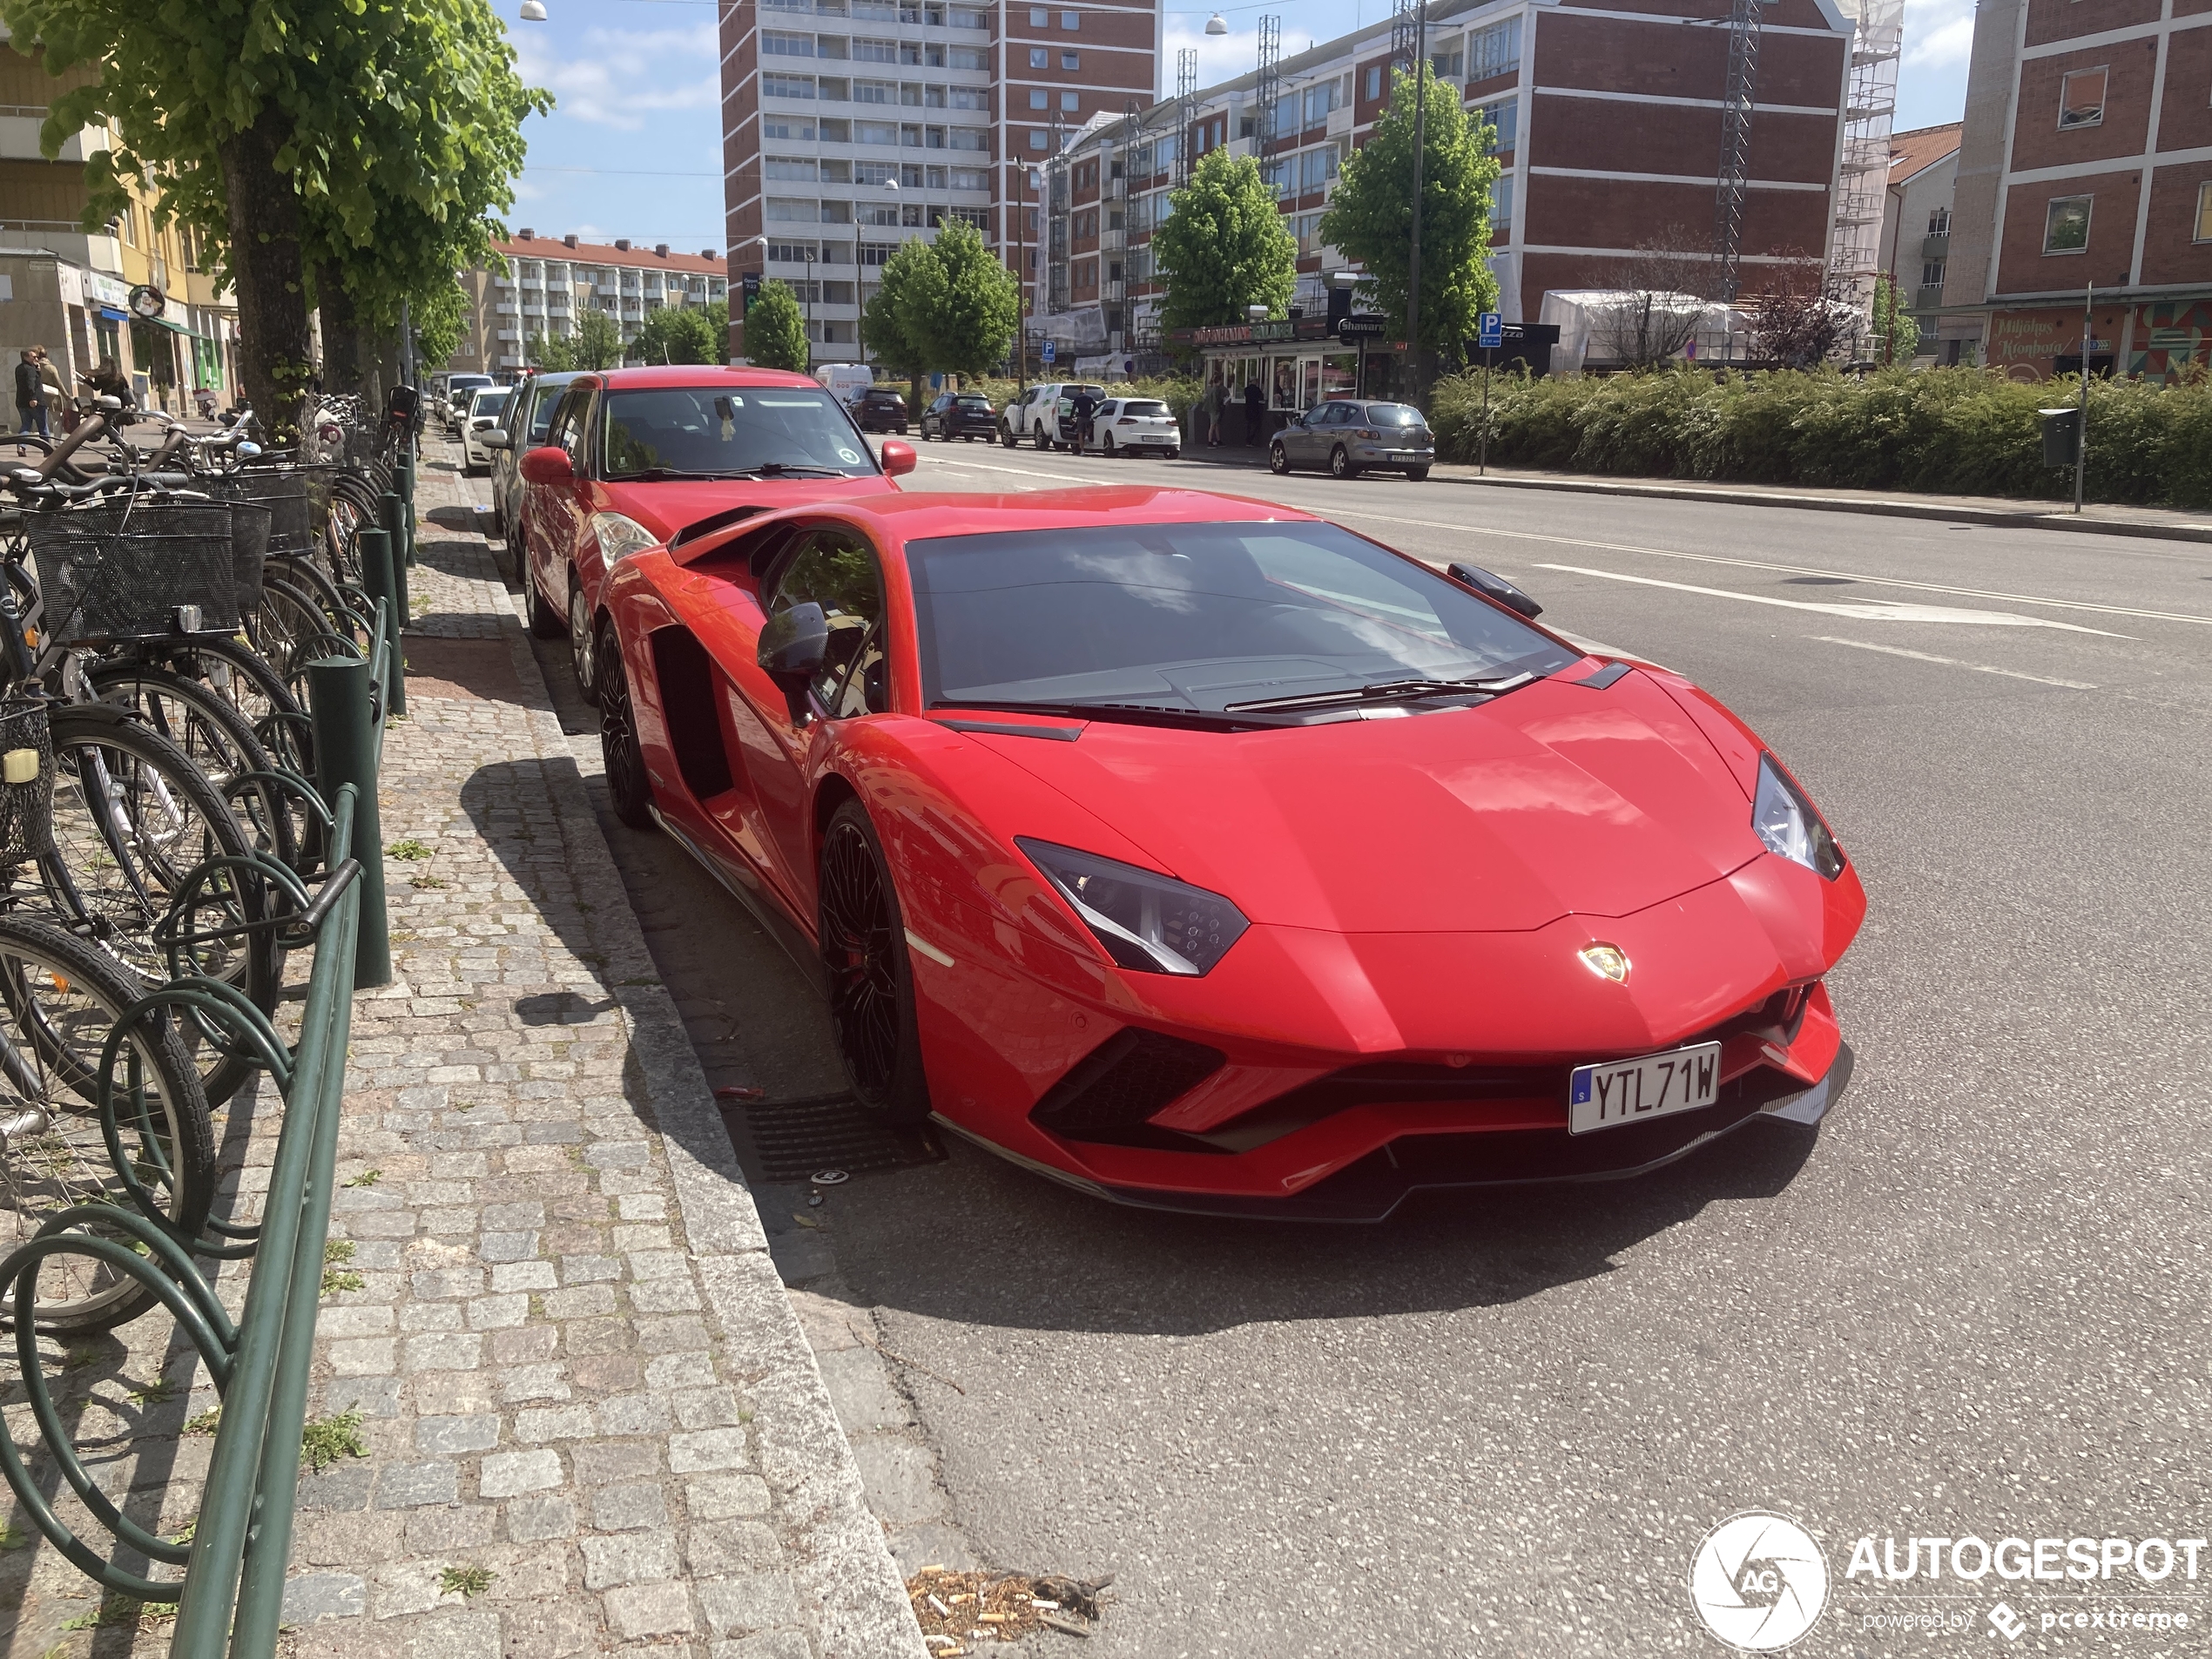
1495	587
898	458
792	647
549	465
496	439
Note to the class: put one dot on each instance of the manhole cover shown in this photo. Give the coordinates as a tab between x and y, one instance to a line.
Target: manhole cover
793	1138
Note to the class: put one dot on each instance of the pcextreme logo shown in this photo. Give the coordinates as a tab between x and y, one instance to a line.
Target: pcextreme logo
1758	1581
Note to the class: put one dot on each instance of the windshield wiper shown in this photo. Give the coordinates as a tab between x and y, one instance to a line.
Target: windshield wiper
1387	691
789	469
1127	713
662	475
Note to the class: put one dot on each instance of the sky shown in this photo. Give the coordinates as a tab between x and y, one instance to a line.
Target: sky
634	147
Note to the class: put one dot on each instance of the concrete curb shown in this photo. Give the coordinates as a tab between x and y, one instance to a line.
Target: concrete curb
849	1587
1877	506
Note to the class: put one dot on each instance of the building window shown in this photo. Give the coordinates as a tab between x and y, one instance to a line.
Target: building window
969	57
788	85
1039	99
1932	272
1374	83
1495	50
875	93
790	167
2204	212
1040	58
875	132
1067	102
1505	115
875	51
1502	201
1071	60
1447	65
1939	222
1071	21
2081	99
2065	224
1039	17
1037	138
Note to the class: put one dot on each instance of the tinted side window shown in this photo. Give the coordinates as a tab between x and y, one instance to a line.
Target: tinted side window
568	424
838	572
544	402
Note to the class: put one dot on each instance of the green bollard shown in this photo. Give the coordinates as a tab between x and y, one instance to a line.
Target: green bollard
395	517
338	701
379	581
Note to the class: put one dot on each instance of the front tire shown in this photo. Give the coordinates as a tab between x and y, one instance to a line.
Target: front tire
1044	443
870	974
628	788
584	650
1107	448
1007	437
1279	459
1341	465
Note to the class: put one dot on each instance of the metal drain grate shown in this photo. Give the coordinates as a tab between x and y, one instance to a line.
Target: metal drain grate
793	1138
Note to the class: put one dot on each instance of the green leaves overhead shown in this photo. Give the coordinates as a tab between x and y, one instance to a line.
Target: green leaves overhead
1223	246
946	307
775	332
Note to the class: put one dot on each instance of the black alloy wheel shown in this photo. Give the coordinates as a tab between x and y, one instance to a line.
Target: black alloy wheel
628	787
1279	459
868	972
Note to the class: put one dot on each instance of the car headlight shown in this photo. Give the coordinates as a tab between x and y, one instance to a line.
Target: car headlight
1786	822
620	537
1147	922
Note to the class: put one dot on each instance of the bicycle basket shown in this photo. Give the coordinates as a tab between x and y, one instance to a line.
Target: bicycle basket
249	549
320	476
361	448
26	808
120	571
284	493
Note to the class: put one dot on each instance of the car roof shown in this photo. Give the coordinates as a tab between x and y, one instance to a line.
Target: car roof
686	374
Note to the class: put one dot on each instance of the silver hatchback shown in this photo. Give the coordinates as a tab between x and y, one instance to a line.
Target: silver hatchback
1349	436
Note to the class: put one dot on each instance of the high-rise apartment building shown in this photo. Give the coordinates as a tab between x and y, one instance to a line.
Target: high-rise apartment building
2086	166
550	282
850	126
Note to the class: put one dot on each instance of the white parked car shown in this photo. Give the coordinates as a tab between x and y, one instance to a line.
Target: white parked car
1129	426
458	387
486	405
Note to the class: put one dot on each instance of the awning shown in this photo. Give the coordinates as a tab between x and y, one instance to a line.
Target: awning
114	315
170	323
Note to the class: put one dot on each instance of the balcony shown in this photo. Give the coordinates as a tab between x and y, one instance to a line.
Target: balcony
1936	247
1928	299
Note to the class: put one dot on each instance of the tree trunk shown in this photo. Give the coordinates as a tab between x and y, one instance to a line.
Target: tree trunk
341	353
265	262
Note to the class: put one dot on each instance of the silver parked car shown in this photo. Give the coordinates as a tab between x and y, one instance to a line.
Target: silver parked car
524	424
1349	436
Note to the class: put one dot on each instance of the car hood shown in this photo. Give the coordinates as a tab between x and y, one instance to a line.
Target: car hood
1553	801
665	508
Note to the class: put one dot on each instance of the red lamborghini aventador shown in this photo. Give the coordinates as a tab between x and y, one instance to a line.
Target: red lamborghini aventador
1200	853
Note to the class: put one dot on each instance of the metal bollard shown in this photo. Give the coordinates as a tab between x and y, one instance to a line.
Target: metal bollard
338	693
397	519
380	579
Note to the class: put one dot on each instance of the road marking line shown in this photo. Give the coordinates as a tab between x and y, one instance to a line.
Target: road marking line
1951	662
1871	611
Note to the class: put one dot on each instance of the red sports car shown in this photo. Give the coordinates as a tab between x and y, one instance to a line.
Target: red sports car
639	457
1202	854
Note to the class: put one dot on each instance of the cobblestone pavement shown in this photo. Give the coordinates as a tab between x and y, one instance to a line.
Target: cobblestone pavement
590	1417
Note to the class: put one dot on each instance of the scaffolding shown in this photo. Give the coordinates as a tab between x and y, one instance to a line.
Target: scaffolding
1266	87
1407	22
1738	96
1186	110
1862	181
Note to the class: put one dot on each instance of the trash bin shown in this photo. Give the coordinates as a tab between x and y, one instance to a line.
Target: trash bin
2061	436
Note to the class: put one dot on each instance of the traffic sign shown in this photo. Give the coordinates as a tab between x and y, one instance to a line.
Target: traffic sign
1049	353
1490	330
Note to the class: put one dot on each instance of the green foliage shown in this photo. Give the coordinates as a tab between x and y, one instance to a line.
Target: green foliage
963	319
681	335
599	340
1223	246
409	850
1962	431
325	1441
438	317
557	356
910	275
465	1581
775	330
1897	336
206	1423
1371	214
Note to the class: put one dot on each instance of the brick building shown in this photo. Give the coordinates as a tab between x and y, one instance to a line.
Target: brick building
1609	127
550	282
2086	160
850	126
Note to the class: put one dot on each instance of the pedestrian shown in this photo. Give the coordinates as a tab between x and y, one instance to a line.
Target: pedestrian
205	398
1214	401
107	380
1255	414
31	394
1081	408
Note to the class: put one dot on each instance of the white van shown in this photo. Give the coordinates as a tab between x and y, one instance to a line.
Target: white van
847	381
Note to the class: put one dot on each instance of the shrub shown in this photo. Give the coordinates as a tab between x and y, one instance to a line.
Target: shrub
1965	431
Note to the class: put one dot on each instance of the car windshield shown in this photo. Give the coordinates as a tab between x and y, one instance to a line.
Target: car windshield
675	430
489	402
1393	414
1197	617
1144	407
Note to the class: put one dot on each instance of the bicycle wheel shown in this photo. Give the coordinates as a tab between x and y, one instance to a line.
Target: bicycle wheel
133	816
217	738
243	678
59	1001
289	631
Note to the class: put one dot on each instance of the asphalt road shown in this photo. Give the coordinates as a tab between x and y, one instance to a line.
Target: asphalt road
1971	1304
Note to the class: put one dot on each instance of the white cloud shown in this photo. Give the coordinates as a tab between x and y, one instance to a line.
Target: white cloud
1938	34
625	75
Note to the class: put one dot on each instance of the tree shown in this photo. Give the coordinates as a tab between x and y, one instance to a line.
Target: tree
1371	215
1660	292
556	355
911	279
1223	246
1897	334
438	318
1801	317
598	340
962	318
359	142
681	334
775	332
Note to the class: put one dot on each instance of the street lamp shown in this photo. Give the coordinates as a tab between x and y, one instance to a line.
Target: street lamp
1215	24
533	11
1254	313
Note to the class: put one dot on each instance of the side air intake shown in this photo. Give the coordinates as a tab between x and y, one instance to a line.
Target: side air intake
1111	1094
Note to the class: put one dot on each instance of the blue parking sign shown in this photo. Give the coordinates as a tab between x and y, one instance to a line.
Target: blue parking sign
1048	352
1490	330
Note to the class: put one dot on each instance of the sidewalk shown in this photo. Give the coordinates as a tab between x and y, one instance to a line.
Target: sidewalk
577	1368
2167	523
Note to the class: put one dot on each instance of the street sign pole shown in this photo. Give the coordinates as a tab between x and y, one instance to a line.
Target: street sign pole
1482	461
1489	336
2081	429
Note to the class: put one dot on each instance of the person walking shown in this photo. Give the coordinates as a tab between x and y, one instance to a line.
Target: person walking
1081	408
31	394
1215	398
1255	414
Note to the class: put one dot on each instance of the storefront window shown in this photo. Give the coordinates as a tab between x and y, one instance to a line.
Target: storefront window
1340	376
1310	382
1283	373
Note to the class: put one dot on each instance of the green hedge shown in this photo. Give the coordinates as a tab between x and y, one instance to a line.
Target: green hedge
1960	431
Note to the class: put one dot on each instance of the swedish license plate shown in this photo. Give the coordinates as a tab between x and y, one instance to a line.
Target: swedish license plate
1635	1091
